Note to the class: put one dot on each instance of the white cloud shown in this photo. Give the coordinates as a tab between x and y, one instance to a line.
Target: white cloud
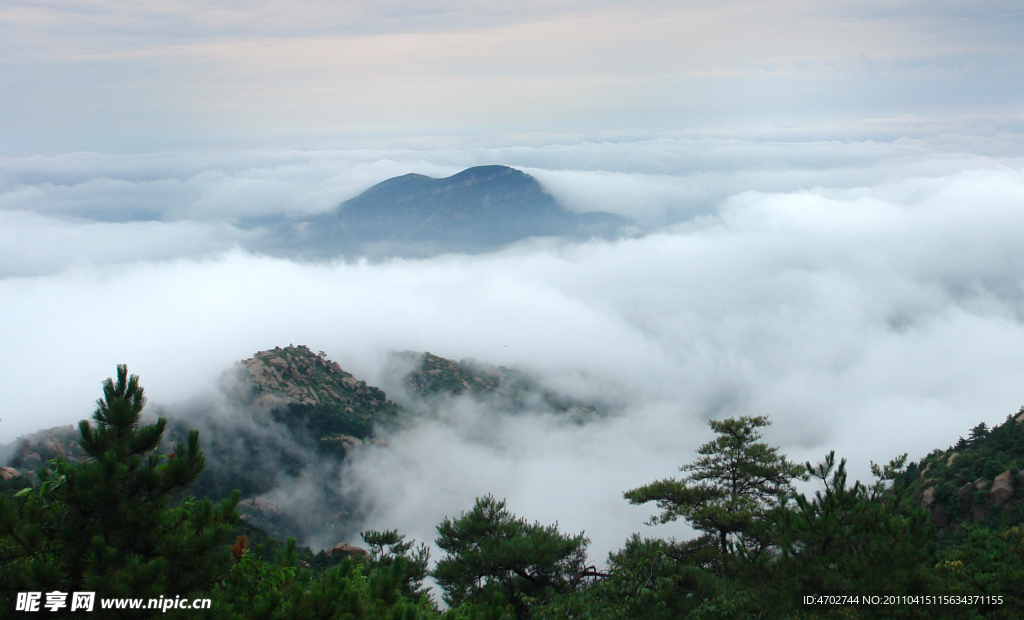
869	297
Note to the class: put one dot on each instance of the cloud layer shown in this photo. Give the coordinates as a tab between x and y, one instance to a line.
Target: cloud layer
866	295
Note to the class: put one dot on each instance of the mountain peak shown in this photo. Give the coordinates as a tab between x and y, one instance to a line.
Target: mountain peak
477	209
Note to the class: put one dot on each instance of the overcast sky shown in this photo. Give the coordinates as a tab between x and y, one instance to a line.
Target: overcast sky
147	75
832	194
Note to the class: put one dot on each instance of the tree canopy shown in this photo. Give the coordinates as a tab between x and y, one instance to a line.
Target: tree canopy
735	481
490	554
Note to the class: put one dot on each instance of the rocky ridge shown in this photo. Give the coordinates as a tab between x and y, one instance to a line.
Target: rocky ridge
434	378
979	480
294	374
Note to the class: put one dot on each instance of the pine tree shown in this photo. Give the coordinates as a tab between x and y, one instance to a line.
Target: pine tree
736	481
855	537
495	559
979	432
117	523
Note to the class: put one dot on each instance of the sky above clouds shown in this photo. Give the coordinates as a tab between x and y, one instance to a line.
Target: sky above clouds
830	196
144	76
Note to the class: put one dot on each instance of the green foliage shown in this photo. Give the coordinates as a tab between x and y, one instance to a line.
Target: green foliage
736	481
390	552
981	561
495	559
504	389
261	589
116	524
850	538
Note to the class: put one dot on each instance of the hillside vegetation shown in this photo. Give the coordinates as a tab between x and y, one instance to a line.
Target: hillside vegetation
942	537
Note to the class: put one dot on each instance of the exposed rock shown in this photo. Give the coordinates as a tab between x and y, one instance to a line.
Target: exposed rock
965	493
938	516
1020	418
259	504
925	470
928	498
952	457
927	484
347	550
1001	491
348	442
8	473
980	484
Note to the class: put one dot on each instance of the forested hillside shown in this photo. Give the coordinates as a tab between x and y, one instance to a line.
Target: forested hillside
115	512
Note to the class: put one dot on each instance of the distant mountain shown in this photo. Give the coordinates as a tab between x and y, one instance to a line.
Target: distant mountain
475	210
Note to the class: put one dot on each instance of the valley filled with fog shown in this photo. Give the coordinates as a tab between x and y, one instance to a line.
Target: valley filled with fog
861	284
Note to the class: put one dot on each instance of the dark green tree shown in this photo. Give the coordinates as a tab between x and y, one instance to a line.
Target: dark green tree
852	538
259	588
493	558
979	432
392	554
116	524
736	481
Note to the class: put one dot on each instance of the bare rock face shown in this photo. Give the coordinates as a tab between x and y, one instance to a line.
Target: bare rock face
938	517
952	457
258	504
928	498
980	484
347	550
295	374
966	493
927	484
8	473
925	470
1001	491
348	442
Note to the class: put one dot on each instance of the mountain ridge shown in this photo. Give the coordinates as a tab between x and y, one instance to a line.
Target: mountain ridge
478	209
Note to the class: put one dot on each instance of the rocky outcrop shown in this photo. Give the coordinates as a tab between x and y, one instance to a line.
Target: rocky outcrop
348	551
966	494
928	498
260	505
952	457
295	374
347	442
31	452
9	473
1001	491
939	517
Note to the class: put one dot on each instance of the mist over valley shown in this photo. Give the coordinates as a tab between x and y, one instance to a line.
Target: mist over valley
864	295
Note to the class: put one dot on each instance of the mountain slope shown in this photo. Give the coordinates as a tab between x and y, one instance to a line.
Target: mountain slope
477	209
977	480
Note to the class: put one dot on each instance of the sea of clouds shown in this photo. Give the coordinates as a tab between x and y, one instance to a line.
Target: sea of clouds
861	285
